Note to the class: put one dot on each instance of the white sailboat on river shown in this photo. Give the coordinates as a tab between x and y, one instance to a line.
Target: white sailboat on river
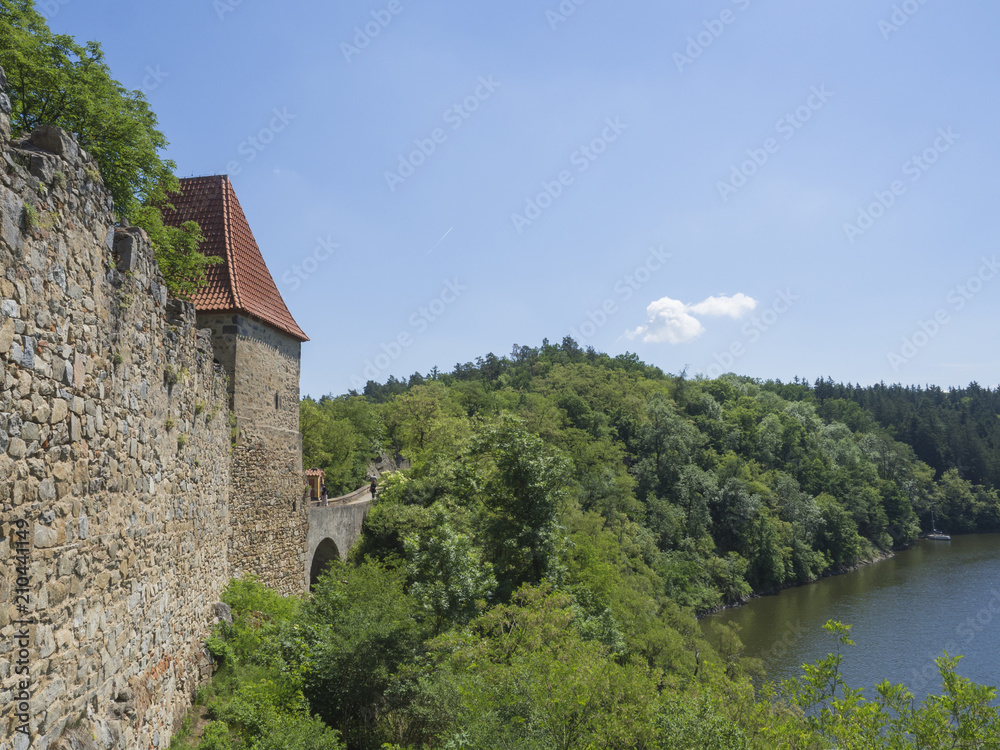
934	534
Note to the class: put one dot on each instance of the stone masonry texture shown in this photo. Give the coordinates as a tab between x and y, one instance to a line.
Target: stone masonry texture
269	509
124	505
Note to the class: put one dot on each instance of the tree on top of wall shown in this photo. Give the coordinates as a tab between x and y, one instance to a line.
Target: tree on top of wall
53	80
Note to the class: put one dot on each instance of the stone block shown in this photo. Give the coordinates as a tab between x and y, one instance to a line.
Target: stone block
223	612
6	335
28	355
29	432
10	308
45	537
126	249
57	275
47	490
57	593
79	370
41	414
59	411
43	167
56	141
11	209
16	448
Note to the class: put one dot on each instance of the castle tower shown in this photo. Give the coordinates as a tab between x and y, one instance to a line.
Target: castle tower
257	343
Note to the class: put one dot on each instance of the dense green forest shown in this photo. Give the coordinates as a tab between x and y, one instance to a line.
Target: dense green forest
531	578
718	487
955	429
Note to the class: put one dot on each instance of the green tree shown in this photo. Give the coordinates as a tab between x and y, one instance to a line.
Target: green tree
53	80
687	722
767	554
957	506
523	485
697	491
360	626
668	442
340	436
522	676
447	573
733	515
426	423
256	699
838	536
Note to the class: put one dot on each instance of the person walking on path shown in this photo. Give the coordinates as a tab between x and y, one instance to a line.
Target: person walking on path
374	487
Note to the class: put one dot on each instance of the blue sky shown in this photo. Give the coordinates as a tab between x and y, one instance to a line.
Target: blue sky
771	188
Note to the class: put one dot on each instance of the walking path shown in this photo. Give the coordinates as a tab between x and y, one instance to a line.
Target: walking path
361	494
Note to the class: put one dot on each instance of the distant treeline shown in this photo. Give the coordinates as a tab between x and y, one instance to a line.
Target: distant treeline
954	429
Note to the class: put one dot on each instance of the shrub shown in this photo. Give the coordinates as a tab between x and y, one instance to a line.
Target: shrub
31	219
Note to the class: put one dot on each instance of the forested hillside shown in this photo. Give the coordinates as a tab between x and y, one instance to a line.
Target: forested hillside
712	489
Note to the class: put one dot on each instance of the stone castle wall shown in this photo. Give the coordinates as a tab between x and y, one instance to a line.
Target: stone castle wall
115	513
269	509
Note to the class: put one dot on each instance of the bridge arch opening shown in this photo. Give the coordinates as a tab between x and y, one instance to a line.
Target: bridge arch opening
326	553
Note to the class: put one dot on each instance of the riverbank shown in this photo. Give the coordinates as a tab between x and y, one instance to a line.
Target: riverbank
877	557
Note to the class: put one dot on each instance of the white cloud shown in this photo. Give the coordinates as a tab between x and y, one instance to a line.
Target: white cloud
671	321
734	307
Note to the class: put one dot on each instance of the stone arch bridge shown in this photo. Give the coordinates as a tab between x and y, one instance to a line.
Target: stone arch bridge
333	530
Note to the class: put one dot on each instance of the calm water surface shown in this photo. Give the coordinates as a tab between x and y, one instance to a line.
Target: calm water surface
905	611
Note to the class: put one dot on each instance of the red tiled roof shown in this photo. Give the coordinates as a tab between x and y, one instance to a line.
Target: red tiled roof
242	283
315	473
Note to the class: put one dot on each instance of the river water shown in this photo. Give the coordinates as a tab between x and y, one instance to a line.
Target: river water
905	611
